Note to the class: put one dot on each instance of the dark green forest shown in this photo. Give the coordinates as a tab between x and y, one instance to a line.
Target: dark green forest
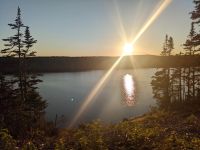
173	124
71	64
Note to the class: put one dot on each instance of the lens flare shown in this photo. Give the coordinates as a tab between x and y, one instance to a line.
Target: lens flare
94	92
158	11
121	29
128	49
102	81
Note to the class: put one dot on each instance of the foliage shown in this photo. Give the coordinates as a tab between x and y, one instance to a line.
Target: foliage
6	140
192	119
161	80
156	130
179	85
21	106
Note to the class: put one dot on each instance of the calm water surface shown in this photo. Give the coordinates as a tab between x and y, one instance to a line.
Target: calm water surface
127	93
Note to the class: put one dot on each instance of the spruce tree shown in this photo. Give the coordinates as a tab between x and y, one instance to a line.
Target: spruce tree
14	45
195	16
161	80
190	49
30	106
192	46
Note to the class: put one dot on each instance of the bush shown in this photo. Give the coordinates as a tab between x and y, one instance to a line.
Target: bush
6	140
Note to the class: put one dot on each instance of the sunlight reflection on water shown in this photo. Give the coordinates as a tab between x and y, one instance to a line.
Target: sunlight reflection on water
129	90
66	92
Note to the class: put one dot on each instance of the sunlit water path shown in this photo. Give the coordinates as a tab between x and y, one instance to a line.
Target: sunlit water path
127	93
129	90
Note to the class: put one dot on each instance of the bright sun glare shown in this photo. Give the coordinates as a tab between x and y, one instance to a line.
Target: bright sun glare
128	49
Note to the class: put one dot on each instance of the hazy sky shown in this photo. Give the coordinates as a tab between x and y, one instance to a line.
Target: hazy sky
92	27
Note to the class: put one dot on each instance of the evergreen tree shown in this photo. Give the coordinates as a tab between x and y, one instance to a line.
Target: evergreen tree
189	48
177	83
159	88
161	80
165	46
189	45
29	106
170	45
14	45
192	48
28	43
195	16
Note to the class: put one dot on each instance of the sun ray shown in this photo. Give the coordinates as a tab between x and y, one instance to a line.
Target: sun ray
120	23
160	9
102	81
94	92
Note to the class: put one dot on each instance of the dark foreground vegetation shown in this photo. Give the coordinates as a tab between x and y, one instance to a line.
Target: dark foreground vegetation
62	64
173	124
159	129
156	130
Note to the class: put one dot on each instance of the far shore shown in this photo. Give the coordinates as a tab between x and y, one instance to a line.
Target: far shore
74	64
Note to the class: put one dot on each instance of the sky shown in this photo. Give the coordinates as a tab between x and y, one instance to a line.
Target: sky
94	27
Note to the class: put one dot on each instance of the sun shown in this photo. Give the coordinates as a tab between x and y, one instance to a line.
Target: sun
128	49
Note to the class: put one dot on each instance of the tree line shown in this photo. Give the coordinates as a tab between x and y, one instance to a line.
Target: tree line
180	85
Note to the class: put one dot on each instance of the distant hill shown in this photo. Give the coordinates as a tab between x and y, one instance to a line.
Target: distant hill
71	64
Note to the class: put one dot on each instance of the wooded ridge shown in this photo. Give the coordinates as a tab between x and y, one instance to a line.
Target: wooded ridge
62	64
